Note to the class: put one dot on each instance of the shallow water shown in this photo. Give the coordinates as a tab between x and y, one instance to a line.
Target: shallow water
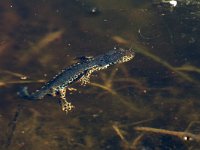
158	89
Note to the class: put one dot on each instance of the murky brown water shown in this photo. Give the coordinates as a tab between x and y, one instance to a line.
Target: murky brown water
149	103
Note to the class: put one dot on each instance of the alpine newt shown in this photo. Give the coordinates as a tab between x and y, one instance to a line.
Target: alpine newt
80	71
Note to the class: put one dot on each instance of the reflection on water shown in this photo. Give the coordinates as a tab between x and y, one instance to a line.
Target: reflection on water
149	103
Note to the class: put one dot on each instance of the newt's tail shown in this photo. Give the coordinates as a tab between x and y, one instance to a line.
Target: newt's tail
24	93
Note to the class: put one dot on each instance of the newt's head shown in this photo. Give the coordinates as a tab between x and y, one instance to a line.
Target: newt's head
113	57
119	56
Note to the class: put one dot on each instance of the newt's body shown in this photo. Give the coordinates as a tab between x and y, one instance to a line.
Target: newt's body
79	71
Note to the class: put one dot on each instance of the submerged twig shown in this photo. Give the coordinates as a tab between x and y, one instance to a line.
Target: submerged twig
5	83
15	74
182	135
43	42
114	93
143	51
119	133
137	141
188	68
12	126
165	63
134	82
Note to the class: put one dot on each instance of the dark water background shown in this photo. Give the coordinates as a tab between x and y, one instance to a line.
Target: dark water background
159	89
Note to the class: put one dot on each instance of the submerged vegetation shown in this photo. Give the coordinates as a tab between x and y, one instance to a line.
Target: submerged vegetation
150	103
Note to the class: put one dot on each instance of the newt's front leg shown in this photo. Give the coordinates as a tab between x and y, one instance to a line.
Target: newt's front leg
86	77
66	106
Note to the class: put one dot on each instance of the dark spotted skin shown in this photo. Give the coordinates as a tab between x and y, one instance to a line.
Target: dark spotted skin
79	71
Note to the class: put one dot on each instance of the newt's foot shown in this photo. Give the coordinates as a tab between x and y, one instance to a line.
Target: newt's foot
66	106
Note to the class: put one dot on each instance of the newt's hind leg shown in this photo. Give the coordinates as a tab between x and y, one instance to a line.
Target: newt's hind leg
66	106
